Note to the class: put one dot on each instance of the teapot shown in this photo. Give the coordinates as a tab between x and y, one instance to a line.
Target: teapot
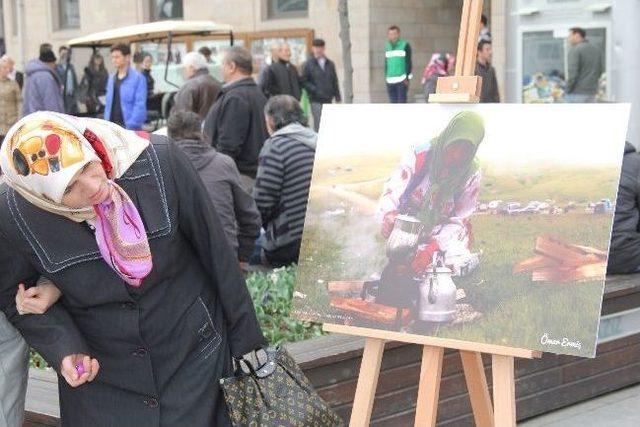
404	237
437	302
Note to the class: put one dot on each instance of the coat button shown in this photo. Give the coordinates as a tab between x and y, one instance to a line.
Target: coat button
128	305
151	402
141	352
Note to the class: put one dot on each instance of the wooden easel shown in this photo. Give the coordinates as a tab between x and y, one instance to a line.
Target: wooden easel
464	87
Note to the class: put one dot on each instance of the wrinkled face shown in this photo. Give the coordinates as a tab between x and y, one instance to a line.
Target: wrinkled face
456	154
285	52
119	60
318	51
87	188
393	35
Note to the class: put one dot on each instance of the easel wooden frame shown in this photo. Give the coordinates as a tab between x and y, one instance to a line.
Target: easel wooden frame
464	87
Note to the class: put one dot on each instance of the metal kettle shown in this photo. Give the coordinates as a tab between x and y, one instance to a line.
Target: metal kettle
437	301
404	237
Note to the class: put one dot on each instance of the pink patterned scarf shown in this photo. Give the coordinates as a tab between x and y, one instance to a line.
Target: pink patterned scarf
121	237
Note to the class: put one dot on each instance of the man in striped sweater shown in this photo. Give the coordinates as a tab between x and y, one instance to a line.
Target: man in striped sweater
284	176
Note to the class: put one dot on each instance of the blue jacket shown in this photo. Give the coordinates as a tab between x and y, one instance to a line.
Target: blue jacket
133	99
42	90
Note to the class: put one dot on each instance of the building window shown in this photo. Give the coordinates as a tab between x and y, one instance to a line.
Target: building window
68	14
166	9
283	9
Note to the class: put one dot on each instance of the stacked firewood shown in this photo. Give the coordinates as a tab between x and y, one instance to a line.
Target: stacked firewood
371	311
558	261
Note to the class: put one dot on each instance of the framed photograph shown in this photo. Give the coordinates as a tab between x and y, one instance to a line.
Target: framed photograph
483	223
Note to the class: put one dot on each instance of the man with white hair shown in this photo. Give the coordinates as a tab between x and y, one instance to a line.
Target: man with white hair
282	77
14	74
200	89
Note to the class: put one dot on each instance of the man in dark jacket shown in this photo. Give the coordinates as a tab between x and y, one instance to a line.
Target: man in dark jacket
235	124
320	79
485	70
200	89
42	90
235	207
584	68
284	178
624	253
69	80
282	76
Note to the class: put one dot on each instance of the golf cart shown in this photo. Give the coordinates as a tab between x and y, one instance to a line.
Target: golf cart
167	72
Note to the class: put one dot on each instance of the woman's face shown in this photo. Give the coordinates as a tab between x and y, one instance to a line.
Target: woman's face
87	188
457	153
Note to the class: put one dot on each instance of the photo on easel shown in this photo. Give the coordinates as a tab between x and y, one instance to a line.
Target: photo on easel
482	223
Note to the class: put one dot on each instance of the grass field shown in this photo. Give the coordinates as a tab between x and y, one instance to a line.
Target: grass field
342	243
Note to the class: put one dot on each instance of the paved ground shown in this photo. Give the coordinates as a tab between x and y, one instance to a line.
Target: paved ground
618	409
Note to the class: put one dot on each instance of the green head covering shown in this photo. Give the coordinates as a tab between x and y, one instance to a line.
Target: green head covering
466	128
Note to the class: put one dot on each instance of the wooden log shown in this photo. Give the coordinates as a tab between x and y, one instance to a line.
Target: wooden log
535	263
369	310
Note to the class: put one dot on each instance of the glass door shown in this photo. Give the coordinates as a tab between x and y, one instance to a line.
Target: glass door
544	64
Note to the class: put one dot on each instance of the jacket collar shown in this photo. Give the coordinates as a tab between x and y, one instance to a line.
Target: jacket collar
246	81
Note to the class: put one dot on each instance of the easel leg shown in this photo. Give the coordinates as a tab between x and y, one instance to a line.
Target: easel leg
478	389
504	391
367	382
429	387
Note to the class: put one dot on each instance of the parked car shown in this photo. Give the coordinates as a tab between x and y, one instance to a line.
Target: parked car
510	208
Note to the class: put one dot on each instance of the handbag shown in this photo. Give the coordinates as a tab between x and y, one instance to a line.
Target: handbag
277	394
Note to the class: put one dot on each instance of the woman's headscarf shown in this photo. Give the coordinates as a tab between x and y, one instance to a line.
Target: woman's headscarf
466	127
42	153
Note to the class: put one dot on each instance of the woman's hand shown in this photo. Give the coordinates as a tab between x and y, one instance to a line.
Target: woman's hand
38	299
78	369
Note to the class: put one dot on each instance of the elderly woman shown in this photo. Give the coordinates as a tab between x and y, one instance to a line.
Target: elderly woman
153	304
437	183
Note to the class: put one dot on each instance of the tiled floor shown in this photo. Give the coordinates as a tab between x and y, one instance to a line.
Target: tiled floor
618	409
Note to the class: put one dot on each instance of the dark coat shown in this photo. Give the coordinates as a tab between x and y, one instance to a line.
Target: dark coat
236	208
162	347
235	124
489	92
282	79
20	79
624	253
322	85
198	94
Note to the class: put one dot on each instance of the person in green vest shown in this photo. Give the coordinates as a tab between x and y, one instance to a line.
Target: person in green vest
397	65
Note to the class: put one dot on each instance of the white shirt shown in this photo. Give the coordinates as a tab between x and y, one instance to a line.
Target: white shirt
322	62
